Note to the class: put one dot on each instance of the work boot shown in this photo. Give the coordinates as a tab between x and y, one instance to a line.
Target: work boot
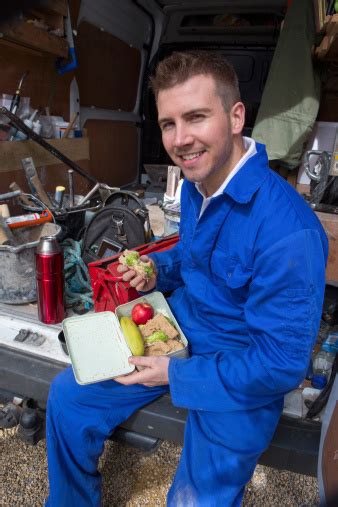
10	415
31	428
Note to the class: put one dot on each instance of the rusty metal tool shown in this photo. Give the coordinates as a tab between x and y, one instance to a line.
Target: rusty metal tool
34	181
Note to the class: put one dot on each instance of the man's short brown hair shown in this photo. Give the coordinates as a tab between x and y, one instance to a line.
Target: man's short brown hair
182	65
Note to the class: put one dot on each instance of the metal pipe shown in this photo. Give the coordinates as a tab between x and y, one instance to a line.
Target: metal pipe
71	187
90	194
10	195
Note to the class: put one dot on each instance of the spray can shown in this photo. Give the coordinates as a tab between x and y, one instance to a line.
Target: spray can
49	280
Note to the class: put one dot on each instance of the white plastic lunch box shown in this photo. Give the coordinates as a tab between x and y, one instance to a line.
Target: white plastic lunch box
96	345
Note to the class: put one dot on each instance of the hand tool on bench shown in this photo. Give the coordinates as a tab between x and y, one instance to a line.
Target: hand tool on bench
104	190
59	194
34	181
24	199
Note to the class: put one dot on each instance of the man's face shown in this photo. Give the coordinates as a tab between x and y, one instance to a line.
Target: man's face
197	133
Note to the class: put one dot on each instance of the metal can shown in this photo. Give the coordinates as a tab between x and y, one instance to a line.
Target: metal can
50	280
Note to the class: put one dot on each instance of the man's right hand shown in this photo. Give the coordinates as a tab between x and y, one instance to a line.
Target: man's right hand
141	284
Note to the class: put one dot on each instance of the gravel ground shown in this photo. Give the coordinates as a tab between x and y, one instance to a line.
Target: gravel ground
132	479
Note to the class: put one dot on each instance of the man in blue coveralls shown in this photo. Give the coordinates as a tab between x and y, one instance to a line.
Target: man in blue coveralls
247	280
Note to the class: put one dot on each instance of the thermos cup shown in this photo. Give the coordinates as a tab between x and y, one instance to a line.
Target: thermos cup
49	280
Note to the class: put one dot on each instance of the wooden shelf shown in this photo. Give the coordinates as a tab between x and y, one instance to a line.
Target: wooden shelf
12	152
52	6
28	35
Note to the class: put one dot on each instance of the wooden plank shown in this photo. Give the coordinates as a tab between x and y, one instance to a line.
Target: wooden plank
330	223
119	82
54	22
113	151
52	6
11	153
26	34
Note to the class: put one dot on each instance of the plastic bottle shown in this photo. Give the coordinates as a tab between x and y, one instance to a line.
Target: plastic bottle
29	122
332	340
322	366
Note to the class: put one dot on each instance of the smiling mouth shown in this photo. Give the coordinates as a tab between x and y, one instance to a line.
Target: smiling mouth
192	156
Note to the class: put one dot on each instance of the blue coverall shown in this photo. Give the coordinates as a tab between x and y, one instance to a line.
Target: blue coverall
248	278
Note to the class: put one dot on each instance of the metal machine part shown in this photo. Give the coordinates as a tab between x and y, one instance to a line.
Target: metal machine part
324	184
322	162
101	188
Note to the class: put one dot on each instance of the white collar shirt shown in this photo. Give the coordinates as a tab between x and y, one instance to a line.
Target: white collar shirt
250	151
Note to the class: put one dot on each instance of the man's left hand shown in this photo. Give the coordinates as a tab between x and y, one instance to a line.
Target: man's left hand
155	371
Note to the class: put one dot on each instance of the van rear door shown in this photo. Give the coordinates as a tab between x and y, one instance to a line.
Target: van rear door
113	45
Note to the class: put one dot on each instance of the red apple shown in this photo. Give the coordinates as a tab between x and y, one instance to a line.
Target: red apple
141	313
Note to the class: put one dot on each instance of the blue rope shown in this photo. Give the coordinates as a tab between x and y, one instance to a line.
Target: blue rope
77	282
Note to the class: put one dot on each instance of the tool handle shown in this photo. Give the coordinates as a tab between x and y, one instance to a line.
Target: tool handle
10	195
41	193
14	186
19	124
70	126
34	180
59	194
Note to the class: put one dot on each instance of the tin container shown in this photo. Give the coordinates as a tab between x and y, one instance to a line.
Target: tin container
17	264
49	280
96	344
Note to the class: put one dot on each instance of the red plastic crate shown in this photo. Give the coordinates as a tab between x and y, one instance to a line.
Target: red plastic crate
109	290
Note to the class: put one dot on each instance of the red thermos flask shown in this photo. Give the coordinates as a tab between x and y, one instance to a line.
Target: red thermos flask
49	280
